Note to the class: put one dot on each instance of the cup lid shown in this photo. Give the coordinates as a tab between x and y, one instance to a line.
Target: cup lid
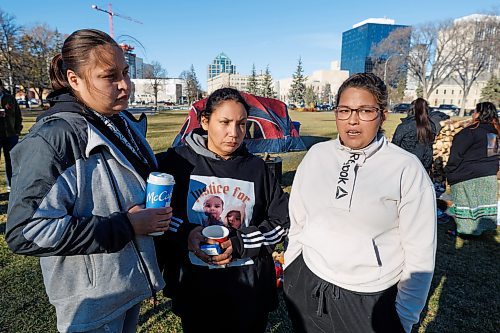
161	178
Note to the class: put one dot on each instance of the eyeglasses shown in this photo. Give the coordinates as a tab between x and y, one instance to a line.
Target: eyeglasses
365	113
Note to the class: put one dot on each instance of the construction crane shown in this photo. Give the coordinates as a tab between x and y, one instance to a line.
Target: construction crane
110	15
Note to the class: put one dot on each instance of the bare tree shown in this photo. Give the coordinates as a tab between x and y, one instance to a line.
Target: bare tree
476	44
42	43
156	75
389	56
193	86
10	50
427	57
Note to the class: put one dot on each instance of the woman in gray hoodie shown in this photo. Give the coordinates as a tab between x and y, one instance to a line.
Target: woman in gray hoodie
78	186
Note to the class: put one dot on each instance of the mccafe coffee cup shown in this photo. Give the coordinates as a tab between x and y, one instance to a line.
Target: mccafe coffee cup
159	192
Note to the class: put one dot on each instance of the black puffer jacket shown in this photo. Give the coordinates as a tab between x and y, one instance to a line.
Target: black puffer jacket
405	137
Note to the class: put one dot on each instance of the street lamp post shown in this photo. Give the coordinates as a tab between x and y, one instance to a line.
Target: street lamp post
385	65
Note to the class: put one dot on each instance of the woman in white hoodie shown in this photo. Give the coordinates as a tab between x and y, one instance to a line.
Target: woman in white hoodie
362	240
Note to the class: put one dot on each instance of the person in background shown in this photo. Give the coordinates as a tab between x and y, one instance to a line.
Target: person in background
10	128
236	290
362	239
417	132
78	189
471	172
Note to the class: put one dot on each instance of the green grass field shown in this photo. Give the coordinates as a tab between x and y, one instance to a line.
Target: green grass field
464	295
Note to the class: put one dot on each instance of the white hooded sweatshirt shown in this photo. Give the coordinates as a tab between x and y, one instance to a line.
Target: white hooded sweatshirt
365	220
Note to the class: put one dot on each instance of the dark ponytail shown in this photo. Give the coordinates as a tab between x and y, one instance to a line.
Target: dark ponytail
424	129
76	52
57	74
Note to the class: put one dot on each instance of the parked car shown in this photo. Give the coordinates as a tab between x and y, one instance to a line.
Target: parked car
292	106
449	109
401	108
324	107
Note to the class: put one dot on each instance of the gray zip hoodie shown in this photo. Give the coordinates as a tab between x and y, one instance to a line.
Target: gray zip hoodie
71	190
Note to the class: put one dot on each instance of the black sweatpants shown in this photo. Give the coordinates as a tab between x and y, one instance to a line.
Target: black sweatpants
315	305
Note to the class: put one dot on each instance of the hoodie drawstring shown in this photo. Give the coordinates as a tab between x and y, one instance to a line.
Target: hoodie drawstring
319	292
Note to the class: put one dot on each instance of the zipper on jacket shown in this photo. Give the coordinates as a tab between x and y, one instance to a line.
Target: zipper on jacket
134	244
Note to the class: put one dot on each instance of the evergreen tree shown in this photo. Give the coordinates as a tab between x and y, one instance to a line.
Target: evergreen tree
310	97
326	93
491	92
253	84
298	87
267	89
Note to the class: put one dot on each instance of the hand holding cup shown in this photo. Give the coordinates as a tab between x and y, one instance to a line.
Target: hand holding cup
195	239
218	246
149	220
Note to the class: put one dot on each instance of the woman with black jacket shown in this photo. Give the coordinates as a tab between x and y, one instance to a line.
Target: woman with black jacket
233	291
471	172
416	133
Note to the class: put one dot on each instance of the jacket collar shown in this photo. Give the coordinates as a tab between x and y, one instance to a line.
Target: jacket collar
62	101
365	152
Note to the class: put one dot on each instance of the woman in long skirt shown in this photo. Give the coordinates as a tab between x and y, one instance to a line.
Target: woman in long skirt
472	172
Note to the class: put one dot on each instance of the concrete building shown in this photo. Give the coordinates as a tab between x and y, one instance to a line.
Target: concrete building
318	79
357	43
221	64
451	93
237	81
172	90
130	58
139	64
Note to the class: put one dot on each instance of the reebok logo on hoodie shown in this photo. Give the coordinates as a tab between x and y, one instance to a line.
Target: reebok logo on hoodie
344	180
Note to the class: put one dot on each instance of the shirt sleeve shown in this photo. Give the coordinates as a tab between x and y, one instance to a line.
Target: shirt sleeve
417	226
297	216
249	241
397	138
40	219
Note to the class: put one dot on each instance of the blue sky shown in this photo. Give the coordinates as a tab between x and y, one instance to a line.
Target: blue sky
265	32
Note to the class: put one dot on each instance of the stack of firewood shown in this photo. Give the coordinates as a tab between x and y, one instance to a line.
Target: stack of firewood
442	146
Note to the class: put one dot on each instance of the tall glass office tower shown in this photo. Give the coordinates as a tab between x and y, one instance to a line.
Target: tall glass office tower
358	41
221	64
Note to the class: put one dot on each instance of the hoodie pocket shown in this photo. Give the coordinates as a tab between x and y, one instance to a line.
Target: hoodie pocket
67	276
345	255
